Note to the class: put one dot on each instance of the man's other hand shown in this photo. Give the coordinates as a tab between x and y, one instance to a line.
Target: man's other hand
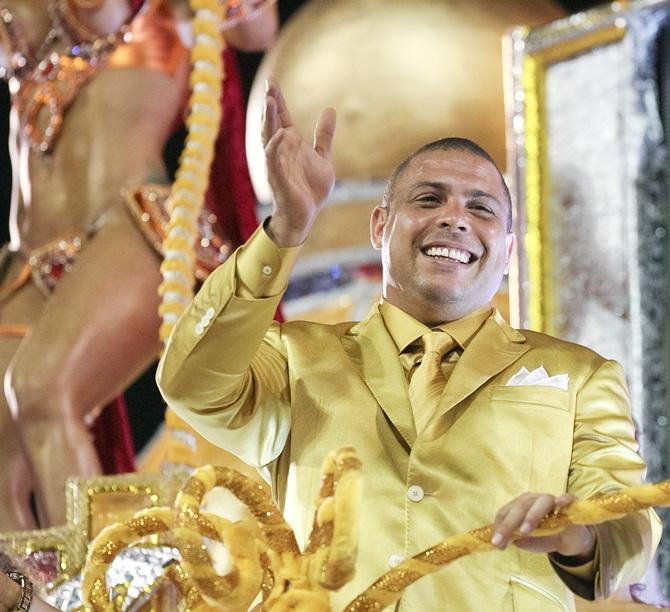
523	515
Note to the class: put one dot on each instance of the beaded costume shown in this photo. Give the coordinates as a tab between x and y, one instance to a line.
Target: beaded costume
45	83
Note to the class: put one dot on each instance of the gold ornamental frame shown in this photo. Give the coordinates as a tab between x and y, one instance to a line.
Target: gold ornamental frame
529	54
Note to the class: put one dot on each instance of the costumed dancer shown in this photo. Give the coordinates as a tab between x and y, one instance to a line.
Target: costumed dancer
97	87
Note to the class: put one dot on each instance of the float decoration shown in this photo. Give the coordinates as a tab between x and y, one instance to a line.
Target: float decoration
265	555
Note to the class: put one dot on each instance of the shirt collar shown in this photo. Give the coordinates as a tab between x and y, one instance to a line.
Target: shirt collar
405	329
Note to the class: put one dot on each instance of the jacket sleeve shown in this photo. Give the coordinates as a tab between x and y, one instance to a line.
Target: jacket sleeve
605	458
224	370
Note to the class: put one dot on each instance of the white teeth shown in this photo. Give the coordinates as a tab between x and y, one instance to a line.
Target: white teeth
456	254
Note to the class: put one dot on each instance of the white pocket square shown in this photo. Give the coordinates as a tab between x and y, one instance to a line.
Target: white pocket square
538	377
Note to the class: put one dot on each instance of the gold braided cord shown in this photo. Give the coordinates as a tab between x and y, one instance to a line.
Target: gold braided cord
199	586
333	542
184	526
599	509
188	191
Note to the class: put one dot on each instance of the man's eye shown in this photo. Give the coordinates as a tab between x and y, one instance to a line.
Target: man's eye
429	198
480	208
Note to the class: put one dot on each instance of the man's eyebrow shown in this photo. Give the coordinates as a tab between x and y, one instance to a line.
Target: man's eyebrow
478	193
430	184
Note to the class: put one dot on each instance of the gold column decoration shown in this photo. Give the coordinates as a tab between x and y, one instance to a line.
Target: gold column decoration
188	191
185	202
535	188
536	176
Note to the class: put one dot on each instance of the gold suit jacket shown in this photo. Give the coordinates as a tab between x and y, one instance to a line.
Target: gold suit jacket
282	396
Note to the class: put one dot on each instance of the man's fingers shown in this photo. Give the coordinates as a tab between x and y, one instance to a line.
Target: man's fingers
276	113
277	116
522	515
282	108
509	524
502	513
270	122
542	506
564	500
324	133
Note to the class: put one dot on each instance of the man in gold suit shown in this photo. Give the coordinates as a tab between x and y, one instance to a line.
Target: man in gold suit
458	417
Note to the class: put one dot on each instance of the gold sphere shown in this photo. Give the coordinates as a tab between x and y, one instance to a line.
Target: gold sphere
400	73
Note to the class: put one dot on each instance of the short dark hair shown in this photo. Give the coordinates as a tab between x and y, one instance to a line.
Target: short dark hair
451	143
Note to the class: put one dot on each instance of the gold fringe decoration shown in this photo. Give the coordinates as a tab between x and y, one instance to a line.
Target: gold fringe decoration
264	552
188	191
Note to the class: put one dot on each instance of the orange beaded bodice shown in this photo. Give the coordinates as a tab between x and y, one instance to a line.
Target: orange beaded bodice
44	83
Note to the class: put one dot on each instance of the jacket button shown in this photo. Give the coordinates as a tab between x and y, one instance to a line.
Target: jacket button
266	270
415	493
199	329
395	560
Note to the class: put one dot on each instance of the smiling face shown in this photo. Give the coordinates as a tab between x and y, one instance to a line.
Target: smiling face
443	236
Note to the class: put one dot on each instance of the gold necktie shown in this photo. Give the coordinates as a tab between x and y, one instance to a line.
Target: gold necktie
427	383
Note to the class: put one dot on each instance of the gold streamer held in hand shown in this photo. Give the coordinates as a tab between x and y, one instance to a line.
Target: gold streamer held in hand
599	509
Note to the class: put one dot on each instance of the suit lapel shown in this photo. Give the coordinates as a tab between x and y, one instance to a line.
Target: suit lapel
495	347
375	356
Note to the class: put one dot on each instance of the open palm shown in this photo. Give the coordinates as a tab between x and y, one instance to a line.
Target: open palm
301	174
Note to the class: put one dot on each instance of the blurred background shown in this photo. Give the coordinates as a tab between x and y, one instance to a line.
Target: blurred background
146	408
361	175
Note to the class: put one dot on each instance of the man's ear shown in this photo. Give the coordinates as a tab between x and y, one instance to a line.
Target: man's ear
510	241
378	221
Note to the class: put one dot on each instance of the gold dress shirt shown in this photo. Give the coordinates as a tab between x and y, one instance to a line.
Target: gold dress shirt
407	332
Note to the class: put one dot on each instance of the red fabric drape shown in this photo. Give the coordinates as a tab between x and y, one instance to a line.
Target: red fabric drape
113	439
230	195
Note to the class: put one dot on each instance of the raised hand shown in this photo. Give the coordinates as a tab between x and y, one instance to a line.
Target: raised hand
523	515
301	175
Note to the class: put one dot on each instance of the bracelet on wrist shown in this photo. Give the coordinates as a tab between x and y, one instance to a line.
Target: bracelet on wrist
26	591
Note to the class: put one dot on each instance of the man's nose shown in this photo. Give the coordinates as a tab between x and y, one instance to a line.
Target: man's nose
452	216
